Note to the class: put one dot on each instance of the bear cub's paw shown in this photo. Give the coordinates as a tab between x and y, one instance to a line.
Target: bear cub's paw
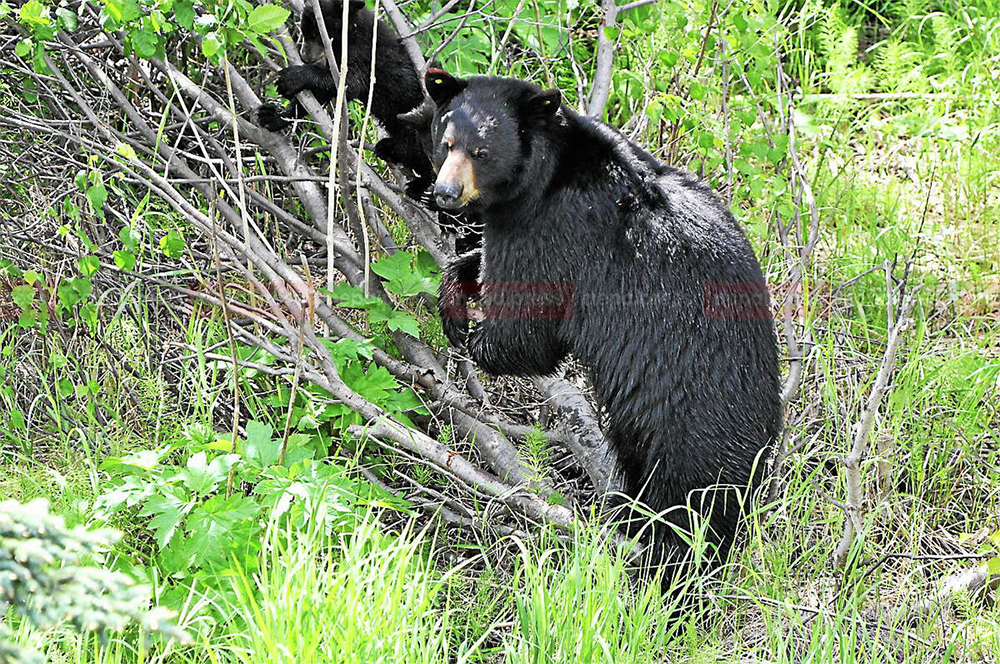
271	117
293	80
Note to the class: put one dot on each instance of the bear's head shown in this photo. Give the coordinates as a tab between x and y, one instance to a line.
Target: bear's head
482	136
333	14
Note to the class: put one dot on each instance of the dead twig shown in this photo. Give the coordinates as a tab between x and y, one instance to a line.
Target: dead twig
862	433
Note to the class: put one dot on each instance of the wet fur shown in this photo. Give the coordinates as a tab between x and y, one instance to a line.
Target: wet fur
689	400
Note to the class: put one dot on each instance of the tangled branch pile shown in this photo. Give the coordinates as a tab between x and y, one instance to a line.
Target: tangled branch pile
266	243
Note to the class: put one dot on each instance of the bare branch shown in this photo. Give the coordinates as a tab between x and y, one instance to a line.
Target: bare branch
863	429
445	460
601	88
583	433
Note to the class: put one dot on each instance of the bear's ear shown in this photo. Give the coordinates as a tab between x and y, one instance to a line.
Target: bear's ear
356	5
442	86
542	104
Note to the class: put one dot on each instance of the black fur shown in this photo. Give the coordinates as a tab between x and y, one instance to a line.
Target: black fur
689	387
397	84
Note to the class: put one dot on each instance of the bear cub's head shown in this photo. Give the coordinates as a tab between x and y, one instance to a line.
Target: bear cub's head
482	136
313	51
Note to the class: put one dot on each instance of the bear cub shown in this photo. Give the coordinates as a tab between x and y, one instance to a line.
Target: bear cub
657	293
396	91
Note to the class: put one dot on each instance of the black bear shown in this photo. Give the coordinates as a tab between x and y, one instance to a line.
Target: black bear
592	247
397	88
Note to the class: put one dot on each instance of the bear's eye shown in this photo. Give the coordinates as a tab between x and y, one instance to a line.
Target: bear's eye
480	153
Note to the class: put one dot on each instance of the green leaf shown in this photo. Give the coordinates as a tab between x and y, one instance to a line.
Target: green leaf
352	297
303	446
7	268
426	265
307	422
130	237
34	13
124	149
23	296
143	459
396	320
167	510
144	42
68	20
16	419
611	32
27	319
125	260
668	58
394	266
221	527
184	13
96	196
172	244
122	11
266	18
350	350
255	41
88	314
375	385
403	400
210	44
89	265
74	290
23	48
201	477
259	447
82	286
402	278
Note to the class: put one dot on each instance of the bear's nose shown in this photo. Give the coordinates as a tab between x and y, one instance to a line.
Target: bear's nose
447	194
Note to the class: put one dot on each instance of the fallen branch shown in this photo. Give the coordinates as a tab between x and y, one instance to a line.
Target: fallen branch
973	582
583	436
448	461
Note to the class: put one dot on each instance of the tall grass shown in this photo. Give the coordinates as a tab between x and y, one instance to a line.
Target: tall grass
367	596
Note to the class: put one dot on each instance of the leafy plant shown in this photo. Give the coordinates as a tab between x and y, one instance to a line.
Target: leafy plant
44	578
200	528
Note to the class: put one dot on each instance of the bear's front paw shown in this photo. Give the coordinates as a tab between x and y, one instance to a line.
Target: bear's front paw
271	117
419	189
293	80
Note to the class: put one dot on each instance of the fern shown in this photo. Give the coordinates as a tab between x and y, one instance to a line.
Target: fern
831	29
898	68
839	41
945	56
